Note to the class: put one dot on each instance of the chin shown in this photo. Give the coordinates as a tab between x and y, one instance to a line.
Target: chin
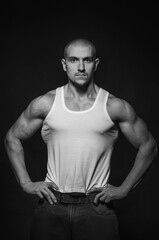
81	83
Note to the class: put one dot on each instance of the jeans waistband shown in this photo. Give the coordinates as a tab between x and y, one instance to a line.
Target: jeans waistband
74	197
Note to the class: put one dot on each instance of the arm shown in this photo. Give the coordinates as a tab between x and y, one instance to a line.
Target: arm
26	125
135	130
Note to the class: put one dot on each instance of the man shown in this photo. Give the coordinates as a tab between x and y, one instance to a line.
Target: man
80	124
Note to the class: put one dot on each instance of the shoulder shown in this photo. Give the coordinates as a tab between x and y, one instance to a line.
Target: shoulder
40	106
119	109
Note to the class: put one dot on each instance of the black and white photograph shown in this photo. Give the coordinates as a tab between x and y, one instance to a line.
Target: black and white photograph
79	111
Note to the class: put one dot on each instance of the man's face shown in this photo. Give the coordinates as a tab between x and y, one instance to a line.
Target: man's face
80	63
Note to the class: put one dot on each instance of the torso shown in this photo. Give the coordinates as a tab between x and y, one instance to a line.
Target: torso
81	147
85	104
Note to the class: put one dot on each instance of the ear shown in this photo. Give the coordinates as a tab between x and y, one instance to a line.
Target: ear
96	63
63	61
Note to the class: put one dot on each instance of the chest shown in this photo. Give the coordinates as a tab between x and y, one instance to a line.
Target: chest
78	105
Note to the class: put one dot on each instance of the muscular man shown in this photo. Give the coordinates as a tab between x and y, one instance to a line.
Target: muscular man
79	124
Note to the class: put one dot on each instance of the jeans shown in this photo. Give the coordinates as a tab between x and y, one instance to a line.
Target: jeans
83	221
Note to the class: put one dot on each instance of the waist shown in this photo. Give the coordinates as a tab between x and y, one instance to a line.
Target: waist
74	197
78	198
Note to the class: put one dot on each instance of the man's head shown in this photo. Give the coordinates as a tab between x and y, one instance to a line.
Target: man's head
80	61
80	42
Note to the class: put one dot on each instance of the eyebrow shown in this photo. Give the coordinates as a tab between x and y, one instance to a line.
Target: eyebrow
85	58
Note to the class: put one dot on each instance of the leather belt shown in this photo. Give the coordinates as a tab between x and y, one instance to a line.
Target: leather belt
73	197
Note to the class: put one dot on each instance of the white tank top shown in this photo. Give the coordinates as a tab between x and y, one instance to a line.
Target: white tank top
79	144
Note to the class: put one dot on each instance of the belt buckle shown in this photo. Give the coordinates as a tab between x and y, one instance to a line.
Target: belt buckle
72	198
78	197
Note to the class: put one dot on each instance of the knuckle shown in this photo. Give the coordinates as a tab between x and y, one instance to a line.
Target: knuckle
110	194
36	191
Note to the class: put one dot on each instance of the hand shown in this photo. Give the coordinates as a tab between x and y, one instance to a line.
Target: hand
108	193
41	189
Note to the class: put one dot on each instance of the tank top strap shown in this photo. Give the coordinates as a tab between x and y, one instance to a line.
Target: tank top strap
103	97
56	102
59	93
58	97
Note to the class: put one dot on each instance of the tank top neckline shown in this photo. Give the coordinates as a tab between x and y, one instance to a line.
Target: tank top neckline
79	112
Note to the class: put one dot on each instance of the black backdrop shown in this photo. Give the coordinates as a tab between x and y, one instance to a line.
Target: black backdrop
34	35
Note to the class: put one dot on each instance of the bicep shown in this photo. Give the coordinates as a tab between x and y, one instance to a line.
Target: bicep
28	123
132	126
32	118
25	127
135	130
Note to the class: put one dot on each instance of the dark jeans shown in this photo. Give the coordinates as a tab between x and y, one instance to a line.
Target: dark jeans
79	221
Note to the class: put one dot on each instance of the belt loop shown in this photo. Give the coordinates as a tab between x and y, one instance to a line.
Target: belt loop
60	196
91	197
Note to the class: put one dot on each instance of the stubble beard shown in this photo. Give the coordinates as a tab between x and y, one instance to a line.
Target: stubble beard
82	86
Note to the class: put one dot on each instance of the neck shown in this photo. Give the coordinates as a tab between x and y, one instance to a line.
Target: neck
81	91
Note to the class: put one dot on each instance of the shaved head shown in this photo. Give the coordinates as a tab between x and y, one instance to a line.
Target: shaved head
80	42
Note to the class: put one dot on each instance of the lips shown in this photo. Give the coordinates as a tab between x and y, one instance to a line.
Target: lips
80	75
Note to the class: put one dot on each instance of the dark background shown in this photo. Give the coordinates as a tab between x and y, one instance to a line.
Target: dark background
34	35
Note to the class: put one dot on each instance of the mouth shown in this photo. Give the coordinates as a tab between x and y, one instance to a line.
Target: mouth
81	75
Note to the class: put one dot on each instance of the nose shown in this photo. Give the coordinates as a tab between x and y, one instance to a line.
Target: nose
81	66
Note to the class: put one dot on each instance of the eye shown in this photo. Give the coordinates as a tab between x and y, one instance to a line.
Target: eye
88	60
72	60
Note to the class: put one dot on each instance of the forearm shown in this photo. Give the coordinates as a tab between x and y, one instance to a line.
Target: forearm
16	156
144	158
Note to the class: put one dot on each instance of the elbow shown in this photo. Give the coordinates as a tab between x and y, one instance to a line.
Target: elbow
12	143
7	139
153	149
149	149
